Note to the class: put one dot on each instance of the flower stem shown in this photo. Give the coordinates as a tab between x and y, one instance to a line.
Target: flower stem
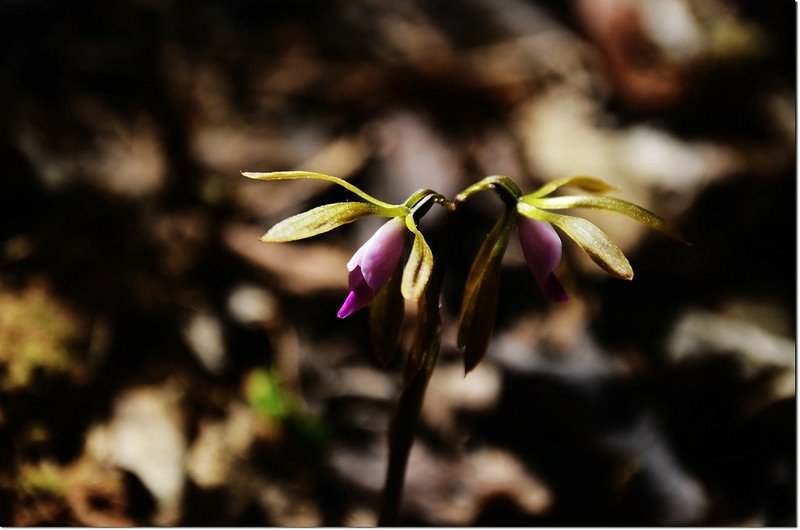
401	437
419	367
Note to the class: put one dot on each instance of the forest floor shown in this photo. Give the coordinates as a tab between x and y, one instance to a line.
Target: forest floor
161	366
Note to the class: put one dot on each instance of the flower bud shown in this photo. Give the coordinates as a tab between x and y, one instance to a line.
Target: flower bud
541	246
373	264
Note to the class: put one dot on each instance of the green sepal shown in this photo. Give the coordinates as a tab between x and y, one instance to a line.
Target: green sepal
386	318
420	263
611	204
590	184
397	210
320	220
479	303
590	238
427	338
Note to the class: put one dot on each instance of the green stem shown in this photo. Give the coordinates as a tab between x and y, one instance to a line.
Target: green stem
419	367
425	193
401	438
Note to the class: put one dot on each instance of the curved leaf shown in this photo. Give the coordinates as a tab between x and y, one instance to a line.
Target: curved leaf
396	210
419	266
319	220
590	184
590	238
386	318
479	303
610	204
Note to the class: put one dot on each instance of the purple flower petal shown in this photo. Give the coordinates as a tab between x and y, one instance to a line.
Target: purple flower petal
355	261
382	253
542	249
359	296
554	291
373	264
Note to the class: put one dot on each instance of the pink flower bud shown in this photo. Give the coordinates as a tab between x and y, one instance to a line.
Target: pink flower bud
373	264
542	248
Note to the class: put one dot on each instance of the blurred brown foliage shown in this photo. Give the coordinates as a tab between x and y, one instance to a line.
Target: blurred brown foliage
160	366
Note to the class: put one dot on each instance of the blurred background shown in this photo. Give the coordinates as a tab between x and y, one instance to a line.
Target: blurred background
161	366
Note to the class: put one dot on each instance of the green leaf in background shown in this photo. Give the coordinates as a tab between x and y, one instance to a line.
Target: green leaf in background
319	220
590	238
610	204
419	266
479	304
273	402
590	184
386	318
265	395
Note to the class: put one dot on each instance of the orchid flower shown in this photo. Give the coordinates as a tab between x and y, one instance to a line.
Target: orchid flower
535	225
537	206
375	277
374	270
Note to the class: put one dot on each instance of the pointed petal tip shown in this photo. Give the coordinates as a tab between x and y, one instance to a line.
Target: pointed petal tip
271	237
554	291
623	273
468	368
679	237
349	306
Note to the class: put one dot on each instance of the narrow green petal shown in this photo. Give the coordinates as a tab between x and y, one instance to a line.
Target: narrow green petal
419	266
319	220
386	318
590	184
293	175
474	279
590	238
428	335
613	205
479	303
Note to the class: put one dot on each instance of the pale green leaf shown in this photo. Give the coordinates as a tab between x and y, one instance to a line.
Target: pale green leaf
590	238
394	210
319	220
419	266
610	204
590	184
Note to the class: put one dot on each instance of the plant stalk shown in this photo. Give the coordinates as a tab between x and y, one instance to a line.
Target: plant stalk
419	367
